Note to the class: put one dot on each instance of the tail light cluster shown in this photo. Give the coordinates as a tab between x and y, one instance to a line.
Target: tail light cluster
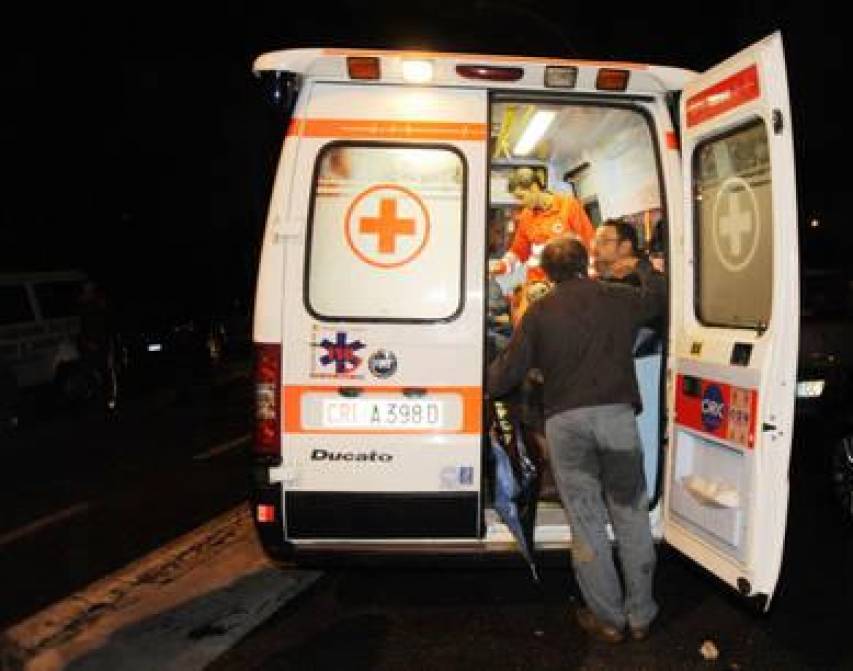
267	441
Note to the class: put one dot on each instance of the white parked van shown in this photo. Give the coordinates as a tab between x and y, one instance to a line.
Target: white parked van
39	325
371	314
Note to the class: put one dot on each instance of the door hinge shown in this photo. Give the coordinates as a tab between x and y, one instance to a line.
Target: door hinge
778	123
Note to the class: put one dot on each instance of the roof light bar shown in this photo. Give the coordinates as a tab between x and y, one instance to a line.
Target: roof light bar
493	72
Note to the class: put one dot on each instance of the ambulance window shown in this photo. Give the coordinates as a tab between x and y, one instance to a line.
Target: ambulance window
386	233
14	305
734	228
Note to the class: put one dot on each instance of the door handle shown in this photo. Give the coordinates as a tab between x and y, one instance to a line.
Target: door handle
414	392
766	426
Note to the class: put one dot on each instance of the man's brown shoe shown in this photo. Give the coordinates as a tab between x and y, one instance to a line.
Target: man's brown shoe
598	629
639	633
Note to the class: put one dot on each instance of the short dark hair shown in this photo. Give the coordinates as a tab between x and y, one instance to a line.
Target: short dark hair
657	245
524	178
624	231
564	258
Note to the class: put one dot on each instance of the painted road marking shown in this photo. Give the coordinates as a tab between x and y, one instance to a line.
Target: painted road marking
43	522
222	448
80	508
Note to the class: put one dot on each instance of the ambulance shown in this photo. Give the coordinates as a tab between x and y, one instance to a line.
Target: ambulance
372	319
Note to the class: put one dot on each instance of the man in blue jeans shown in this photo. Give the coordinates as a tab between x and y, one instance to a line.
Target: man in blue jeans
580	336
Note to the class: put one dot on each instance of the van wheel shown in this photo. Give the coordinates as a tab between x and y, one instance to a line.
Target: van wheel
842	475
75	385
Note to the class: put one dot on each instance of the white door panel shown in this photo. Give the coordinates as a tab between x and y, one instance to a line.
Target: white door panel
735	316
383	322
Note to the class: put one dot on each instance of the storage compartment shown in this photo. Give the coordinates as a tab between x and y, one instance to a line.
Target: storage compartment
710	490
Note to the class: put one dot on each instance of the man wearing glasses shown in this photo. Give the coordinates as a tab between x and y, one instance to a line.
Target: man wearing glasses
615	252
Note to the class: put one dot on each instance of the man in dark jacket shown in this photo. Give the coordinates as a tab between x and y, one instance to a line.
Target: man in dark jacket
580	336
616	252
617	257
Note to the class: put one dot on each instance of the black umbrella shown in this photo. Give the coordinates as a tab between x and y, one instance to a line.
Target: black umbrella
517	480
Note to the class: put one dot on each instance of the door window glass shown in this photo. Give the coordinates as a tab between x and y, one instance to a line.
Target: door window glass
386	234
732	194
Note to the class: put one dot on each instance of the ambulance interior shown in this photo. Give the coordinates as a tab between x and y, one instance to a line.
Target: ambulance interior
605	156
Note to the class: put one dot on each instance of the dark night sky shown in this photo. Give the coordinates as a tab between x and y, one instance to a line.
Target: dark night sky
135	145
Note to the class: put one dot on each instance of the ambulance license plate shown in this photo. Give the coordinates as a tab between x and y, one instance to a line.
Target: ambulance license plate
362	413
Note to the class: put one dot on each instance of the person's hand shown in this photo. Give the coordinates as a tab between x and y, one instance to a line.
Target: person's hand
622	267
498	267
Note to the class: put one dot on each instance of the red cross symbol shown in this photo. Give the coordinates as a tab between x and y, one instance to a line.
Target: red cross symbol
387	226
397	235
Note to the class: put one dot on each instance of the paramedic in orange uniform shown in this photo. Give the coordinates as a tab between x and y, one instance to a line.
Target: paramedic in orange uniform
543	217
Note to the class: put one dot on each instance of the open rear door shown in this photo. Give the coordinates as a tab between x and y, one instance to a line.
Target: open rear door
735	323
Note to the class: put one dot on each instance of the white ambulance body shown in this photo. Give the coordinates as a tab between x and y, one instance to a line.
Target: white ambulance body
372	319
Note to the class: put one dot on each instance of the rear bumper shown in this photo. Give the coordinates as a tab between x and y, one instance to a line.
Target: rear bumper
367	524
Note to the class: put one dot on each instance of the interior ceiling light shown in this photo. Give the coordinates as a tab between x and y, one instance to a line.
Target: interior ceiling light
534	132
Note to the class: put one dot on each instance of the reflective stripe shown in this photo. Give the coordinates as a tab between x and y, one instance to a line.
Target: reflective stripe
388	129
723	96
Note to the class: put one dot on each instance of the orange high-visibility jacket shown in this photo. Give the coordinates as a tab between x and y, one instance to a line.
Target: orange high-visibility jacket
535	227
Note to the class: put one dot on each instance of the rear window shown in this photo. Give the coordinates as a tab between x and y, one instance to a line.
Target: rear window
734	223
58	299
14	305
386	233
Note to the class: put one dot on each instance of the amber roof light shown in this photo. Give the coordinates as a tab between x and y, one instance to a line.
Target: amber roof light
609	79
363	67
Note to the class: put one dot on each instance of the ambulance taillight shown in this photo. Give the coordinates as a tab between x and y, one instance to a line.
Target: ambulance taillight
267	443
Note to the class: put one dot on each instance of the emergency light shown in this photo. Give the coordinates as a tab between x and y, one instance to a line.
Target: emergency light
363	67
609	79
417	72
493	72
561	77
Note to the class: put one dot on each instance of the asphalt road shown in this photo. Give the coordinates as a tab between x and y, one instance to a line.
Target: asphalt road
82	495
481	618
